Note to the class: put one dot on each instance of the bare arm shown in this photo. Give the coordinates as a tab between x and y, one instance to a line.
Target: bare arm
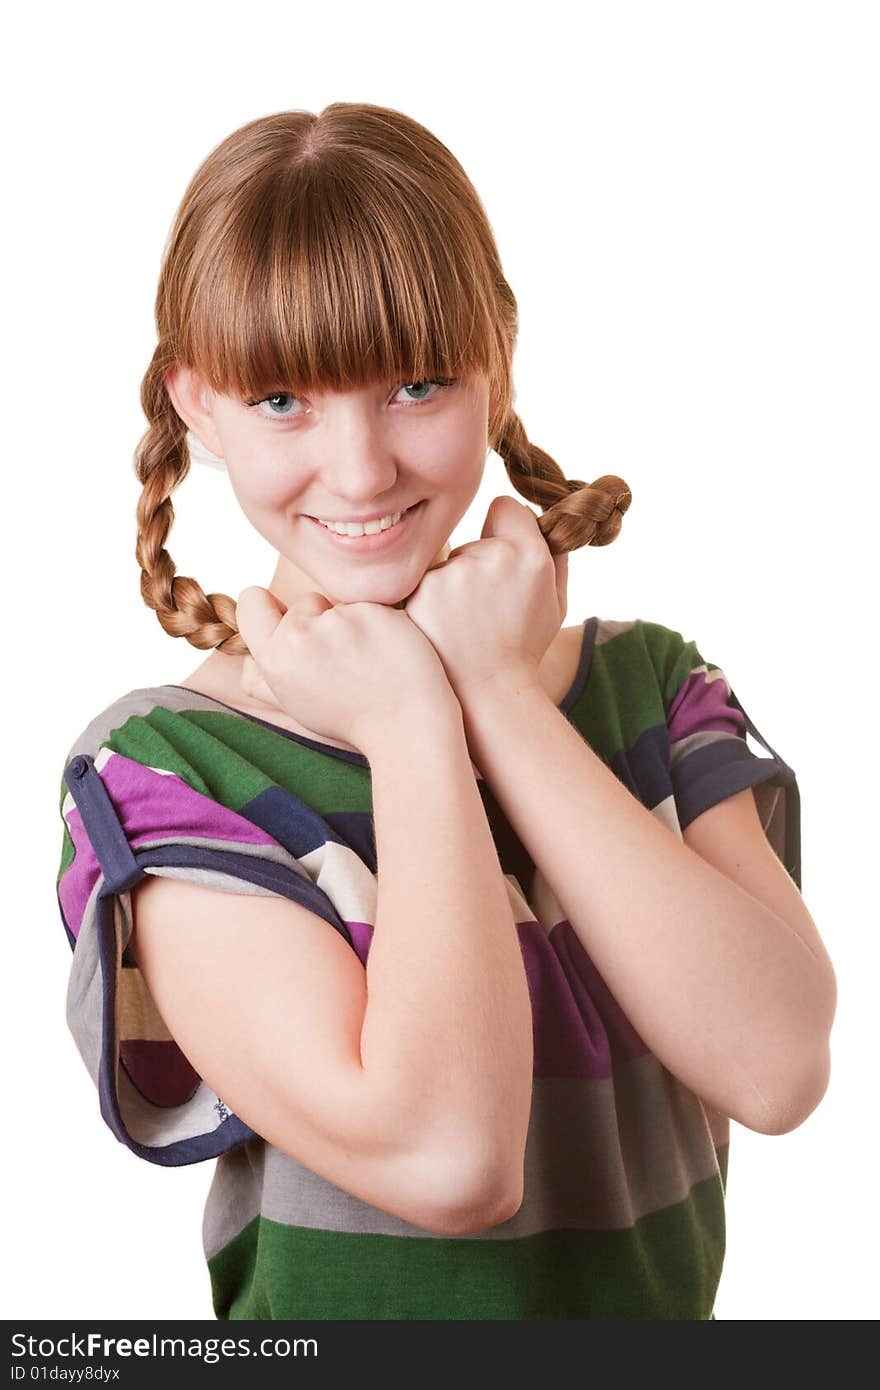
447	1034
734	996
409	1085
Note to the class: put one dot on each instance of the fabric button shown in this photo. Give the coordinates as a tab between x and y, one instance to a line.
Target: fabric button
79	767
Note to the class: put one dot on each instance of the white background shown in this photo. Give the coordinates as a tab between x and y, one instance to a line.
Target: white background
685	200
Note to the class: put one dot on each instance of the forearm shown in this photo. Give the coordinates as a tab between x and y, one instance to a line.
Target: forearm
447	1033
723	991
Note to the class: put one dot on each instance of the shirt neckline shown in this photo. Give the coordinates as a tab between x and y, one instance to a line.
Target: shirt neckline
572	695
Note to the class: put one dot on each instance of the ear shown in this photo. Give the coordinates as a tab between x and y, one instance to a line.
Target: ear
191	398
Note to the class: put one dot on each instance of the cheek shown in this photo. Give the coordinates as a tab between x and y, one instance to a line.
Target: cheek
262	488
455	459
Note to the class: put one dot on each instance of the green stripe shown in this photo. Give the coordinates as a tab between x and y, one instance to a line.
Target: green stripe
620	702
666	1266
325	784
233	760
67	855
673	658
151	741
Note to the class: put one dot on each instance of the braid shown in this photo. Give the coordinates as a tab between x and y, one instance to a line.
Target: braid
161	462
574	513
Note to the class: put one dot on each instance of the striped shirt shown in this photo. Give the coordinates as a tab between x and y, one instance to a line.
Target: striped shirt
625	1167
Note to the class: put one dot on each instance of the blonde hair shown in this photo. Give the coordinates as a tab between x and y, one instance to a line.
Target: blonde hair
328	252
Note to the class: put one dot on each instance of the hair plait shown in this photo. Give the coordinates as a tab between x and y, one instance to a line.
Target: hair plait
574	513
161	462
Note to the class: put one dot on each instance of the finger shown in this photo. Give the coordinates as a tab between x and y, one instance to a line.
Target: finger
507	517
310	604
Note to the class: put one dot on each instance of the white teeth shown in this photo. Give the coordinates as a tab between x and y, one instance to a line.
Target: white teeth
357	528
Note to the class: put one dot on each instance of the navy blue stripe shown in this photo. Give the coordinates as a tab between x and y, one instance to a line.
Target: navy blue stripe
103	828
792	800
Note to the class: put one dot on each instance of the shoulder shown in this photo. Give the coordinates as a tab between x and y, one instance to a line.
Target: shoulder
660	642
663	647
637	663
146	734
133	705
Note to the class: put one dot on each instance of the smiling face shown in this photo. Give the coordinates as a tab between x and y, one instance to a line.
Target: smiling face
368	452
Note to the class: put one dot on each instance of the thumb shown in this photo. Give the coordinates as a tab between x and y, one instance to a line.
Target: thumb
258	613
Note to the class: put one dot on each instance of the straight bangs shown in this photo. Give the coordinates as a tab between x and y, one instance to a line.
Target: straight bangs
329	276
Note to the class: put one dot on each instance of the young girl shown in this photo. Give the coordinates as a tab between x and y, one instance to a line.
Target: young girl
457	936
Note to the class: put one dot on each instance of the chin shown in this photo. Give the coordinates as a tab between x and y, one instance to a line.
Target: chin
392	599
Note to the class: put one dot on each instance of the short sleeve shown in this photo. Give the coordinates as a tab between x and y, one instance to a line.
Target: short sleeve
709	758
123	820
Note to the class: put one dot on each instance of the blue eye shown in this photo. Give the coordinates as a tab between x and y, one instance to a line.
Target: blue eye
441	382
434	381
275	396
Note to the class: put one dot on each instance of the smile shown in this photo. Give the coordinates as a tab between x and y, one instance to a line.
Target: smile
361	528
371	535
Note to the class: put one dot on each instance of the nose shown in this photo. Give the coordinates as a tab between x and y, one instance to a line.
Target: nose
357	461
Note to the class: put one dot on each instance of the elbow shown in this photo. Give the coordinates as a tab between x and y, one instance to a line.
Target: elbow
479	1196
799	1101
802	1076
484	1210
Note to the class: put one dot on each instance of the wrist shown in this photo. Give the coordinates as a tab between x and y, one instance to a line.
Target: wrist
508	682
509	694
408	725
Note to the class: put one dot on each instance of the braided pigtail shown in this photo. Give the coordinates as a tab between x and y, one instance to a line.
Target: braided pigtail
161	462
574	513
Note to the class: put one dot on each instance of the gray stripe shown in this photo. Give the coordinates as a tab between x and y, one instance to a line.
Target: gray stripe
234	1195
85	1005
210	878
586	1168
606	628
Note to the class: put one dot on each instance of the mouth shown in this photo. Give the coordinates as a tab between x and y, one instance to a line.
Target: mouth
379	540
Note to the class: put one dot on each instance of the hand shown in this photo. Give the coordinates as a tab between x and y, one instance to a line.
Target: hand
342	670
493	607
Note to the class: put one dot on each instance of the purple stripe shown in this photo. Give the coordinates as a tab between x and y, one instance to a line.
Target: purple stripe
703	704
151	806
159	1070
146	800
